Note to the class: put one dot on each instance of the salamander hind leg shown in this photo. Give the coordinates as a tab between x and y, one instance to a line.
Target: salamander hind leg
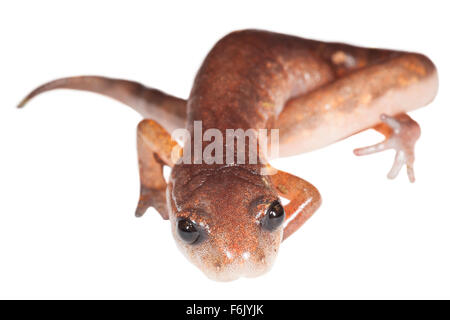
401	134
155	148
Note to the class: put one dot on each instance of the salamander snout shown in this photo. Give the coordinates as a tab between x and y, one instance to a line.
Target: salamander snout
229	222
223	260
231	266
231	248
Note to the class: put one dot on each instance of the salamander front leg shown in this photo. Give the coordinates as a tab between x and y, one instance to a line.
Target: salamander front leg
155	147
304	200
401	134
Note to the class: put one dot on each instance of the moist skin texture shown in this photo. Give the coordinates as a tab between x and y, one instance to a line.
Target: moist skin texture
315	93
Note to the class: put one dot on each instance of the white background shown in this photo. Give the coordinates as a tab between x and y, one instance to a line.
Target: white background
68	166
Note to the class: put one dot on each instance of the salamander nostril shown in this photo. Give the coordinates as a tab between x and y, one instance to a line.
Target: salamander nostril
262	258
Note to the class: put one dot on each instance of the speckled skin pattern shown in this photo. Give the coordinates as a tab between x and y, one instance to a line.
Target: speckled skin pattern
314	92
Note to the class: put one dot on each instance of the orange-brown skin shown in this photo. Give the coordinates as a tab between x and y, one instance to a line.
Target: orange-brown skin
314	92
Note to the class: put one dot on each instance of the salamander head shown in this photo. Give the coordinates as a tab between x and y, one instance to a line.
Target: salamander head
226	221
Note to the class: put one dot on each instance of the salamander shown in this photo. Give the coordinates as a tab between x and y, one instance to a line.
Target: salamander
227	216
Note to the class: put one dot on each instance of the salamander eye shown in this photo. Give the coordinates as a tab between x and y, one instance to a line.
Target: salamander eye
187	230
274	216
